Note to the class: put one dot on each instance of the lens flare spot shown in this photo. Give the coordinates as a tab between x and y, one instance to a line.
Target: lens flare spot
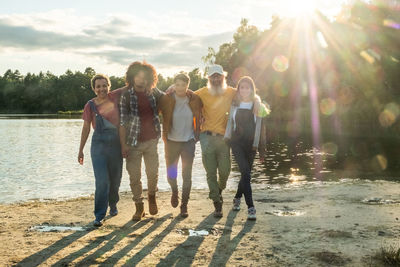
172	172
391	23
393	108
389	115
327	106
386	118
394	59
280	63
370	59
330	148
379	163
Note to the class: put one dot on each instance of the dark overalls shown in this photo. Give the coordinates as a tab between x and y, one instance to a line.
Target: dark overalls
242	149
107	164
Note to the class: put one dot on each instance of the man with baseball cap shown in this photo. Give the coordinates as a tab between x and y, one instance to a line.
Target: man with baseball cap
217	98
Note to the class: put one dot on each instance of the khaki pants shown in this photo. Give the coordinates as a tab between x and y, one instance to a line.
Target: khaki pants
216	158
147	150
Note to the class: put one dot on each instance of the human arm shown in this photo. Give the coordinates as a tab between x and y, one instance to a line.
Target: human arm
170	89
257	133
163	108
84	136
122	139
229	125
124	107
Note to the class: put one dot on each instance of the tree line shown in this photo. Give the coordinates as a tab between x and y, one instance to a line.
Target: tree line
46	93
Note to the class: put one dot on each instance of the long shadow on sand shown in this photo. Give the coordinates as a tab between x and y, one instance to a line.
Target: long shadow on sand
226	246
112	239
46	253
151	245
183	255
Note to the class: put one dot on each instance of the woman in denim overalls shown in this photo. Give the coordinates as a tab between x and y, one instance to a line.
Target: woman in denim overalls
102	112
243	131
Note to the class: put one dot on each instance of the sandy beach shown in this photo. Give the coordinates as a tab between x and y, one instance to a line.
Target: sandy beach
305	224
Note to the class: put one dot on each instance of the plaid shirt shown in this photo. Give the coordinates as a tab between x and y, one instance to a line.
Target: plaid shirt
129	114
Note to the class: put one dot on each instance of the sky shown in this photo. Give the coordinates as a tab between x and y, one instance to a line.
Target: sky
55	36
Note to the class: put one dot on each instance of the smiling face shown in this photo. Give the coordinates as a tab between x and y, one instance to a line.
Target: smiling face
101	88
245	91
181	87
140	82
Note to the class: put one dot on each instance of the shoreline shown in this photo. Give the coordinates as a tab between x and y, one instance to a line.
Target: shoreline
296	226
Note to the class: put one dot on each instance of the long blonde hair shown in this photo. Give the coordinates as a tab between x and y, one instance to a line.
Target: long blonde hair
249	80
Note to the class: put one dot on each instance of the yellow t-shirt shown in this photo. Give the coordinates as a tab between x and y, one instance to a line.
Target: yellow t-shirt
215	109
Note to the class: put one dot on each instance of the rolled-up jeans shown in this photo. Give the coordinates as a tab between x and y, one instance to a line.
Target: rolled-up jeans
216	157
107	162
185	151
148	151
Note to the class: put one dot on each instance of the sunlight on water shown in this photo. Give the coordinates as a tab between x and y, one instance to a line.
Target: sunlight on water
38	160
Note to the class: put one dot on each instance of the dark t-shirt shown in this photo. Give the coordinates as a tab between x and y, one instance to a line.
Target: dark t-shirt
146	113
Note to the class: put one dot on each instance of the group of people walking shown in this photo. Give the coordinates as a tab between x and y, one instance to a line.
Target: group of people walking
127	125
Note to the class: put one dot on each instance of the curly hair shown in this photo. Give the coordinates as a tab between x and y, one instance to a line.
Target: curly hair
137	66
99	77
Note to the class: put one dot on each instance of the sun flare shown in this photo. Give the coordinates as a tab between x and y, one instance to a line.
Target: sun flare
294	8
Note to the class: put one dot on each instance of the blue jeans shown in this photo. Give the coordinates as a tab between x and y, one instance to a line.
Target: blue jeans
107	166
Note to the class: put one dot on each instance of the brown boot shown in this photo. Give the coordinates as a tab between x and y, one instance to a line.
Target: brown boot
174	199
184	211
152	204
218	209
139	214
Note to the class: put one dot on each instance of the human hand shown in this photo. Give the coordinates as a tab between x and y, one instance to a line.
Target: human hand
171	89
80	157
125	150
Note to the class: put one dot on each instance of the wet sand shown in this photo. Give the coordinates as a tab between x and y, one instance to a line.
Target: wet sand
304	224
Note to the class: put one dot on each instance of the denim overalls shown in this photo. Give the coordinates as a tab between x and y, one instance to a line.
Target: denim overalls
107	164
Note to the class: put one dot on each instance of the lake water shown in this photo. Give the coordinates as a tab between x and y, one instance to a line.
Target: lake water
38	160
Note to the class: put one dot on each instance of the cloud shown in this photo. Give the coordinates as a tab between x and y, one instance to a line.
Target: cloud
113	41
26	37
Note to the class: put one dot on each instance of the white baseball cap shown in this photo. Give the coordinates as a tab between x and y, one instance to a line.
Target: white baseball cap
216	69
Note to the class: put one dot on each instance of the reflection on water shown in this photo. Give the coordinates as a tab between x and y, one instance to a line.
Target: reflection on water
38	160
